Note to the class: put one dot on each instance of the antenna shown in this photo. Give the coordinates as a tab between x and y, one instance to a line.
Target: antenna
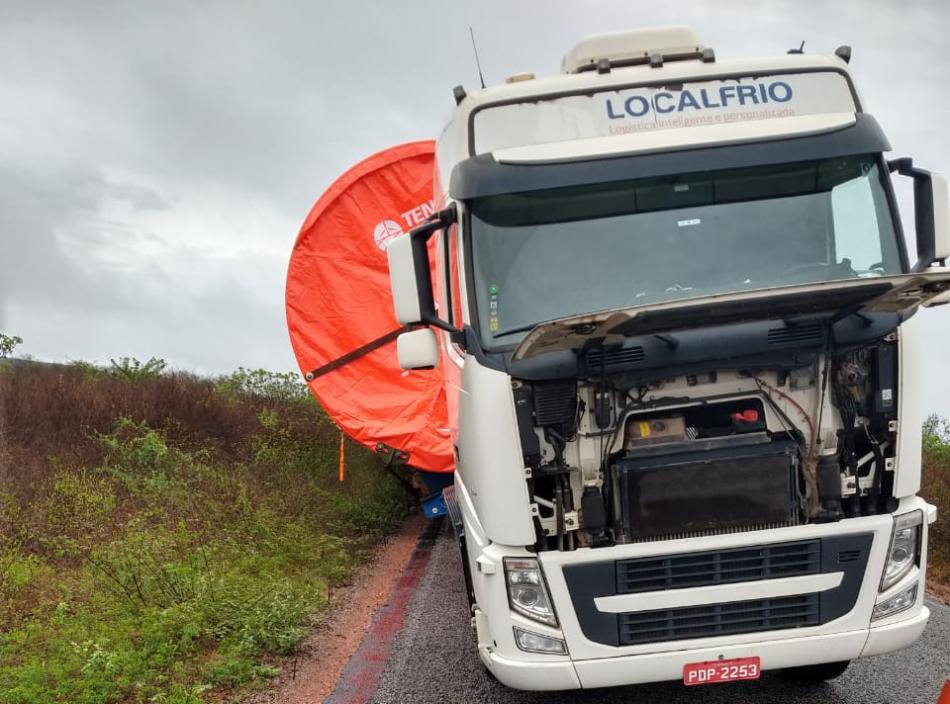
478	64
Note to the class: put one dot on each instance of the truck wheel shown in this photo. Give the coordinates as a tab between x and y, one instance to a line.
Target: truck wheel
816	673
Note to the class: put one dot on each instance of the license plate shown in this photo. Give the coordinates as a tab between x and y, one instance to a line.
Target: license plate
721	671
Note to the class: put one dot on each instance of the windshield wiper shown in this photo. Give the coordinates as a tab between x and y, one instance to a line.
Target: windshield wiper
576	328
512	331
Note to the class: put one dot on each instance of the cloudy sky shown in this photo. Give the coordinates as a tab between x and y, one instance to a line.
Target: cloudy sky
157	159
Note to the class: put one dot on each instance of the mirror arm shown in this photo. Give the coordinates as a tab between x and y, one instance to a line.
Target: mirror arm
420	253
923	210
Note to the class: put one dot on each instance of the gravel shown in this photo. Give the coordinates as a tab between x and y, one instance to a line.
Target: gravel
433	660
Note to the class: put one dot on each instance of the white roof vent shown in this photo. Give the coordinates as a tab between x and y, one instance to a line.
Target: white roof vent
602	52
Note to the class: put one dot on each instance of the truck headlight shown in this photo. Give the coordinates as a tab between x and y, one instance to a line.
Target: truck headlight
527	592
904	552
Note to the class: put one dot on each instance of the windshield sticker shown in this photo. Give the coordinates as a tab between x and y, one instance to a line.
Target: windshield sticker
493	308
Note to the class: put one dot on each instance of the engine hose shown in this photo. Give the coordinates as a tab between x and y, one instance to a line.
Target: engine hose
559	515
569	506
875	493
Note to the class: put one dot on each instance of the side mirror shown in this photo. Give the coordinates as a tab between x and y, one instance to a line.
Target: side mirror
418	349
931	213
941	218
404	280
410	276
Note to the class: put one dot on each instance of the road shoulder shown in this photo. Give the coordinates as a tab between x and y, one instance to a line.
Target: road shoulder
309	676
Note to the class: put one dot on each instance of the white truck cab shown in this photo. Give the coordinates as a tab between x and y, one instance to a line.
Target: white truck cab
675	310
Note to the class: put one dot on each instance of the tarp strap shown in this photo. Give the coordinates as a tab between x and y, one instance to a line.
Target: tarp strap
356	354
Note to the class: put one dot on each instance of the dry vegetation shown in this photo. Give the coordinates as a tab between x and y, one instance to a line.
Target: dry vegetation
936	489
163	535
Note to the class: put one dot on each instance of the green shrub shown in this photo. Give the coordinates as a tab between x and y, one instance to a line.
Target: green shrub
87	369
21	574
140	458
151	566
8	343
282	387
75	514
131	369
936	437
179	694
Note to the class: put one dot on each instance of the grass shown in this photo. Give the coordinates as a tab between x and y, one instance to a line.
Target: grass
163	536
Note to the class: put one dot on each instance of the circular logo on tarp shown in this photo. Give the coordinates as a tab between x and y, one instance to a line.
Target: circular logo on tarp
385	231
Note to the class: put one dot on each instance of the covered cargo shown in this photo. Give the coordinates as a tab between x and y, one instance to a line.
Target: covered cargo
340	312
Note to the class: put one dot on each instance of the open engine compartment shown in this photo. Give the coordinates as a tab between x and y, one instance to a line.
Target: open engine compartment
620	453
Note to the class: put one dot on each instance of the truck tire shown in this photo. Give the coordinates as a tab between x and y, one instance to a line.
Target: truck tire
816	673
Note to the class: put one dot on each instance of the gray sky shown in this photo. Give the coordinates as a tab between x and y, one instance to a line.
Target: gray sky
157	159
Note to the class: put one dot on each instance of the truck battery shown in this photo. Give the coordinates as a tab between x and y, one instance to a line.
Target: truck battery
650	431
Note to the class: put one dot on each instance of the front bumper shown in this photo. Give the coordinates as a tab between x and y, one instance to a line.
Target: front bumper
659	667
595	664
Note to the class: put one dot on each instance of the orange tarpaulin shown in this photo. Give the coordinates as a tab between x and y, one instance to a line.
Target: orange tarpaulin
339	302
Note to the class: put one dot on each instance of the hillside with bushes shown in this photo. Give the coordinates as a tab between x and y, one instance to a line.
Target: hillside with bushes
162	536
935	487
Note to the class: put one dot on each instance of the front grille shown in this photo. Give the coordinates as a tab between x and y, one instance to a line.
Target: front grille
750	566
719	619
718	567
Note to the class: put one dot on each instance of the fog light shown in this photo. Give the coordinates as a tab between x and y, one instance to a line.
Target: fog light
536	643
897	603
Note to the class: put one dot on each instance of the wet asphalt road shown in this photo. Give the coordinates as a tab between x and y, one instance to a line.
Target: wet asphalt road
433	660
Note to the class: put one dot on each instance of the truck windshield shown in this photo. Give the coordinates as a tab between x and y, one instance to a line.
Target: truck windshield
544	255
